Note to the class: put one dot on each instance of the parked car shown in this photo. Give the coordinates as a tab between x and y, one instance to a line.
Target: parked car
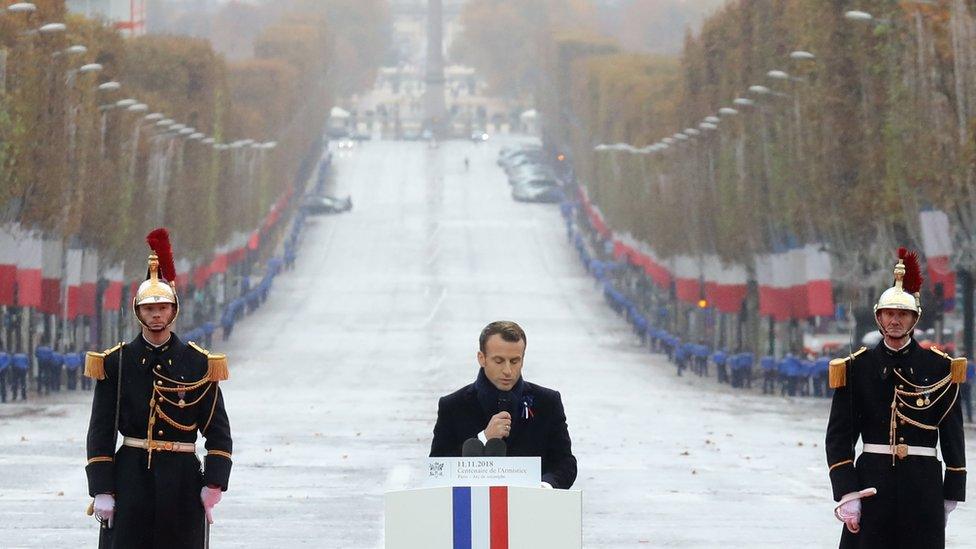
539	190
530	172
316	204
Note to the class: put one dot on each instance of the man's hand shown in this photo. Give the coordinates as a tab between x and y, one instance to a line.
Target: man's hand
105	508
209	496
499	426
850	513
950	506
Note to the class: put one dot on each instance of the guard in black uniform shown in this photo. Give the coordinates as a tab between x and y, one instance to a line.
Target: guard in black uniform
901	400
158	392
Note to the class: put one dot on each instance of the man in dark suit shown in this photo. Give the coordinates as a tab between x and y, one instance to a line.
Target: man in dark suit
500	404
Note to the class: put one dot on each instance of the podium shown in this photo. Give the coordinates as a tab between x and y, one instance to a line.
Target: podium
483	517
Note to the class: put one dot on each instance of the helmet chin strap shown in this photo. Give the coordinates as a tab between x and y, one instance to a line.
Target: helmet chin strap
884	333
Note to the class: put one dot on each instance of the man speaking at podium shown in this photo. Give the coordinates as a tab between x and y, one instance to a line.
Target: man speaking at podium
501	406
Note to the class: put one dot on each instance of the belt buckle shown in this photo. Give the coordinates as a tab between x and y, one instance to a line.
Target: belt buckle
169	446
901	451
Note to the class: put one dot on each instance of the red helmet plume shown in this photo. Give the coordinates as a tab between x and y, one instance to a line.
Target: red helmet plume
912	283
158	240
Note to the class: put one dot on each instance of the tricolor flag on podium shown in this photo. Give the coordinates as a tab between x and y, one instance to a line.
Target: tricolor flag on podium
480	517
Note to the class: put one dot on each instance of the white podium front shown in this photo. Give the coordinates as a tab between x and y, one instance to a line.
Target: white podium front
484	517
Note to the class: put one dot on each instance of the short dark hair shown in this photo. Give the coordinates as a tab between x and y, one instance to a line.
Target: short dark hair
510	332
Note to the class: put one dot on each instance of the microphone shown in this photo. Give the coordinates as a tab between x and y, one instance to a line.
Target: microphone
496	447
503	403
472	448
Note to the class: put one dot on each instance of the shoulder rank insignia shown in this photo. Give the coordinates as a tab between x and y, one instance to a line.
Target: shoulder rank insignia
939	352
95	362
837	373
216	363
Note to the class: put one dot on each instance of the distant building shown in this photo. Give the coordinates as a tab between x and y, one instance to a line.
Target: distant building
128	16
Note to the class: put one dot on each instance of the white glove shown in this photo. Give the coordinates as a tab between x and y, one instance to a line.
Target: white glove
850	514
209	497
105	508
545	485
950	506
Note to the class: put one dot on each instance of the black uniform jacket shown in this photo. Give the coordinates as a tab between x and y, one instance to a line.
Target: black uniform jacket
908	510
545	434
142	366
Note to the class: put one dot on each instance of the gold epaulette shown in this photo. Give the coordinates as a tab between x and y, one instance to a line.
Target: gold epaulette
837	373
957	366
95	363
217	369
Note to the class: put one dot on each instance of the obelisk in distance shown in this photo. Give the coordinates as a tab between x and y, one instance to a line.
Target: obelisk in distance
435	111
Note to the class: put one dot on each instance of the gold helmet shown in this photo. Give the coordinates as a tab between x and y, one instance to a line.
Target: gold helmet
160	283
904	295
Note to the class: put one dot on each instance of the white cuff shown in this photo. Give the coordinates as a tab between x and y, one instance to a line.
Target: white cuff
546	485
482	437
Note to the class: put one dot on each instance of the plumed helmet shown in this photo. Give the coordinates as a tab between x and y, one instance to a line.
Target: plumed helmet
904	295
160	283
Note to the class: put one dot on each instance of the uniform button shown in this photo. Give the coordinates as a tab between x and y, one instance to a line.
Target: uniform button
158	367
901	439
901	404
901	386
159	383
160	433
160	399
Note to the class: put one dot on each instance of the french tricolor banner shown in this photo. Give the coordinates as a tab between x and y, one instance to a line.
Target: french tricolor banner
937	247
8	267
480	517
687	278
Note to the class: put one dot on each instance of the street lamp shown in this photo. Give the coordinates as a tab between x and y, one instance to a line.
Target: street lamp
109	86
21	7
90	67
801	55
153	117
712	119
691	131
165	123
52	28
761	90
743	102
125	103
728	111
138	107
708	126
856	15
196	136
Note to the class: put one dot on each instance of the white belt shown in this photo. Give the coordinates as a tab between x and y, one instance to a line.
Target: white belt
900	450
160	445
